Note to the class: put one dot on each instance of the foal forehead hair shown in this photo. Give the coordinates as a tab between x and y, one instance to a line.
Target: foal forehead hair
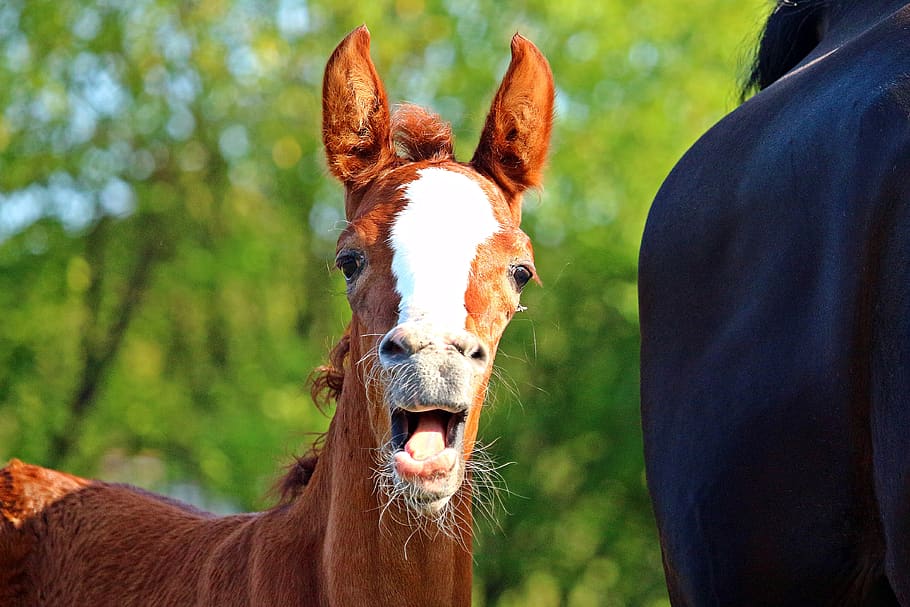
434	241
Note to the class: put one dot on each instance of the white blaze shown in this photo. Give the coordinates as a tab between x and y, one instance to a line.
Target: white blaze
434	242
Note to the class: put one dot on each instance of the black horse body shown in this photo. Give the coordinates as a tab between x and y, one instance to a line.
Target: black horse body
775	316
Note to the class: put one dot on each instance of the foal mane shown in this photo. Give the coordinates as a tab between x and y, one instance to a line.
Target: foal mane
790	33
326	381
419	134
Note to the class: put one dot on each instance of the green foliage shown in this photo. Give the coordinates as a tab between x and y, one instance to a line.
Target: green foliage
167	225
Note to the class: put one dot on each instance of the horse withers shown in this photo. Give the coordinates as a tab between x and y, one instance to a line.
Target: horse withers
774	294
434	262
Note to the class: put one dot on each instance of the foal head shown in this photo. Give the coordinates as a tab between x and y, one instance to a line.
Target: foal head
433	258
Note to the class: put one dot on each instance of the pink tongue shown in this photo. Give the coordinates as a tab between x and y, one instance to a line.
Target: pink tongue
429	438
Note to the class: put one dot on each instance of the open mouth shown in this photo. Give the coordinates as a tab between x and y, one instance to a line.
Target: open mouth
427	443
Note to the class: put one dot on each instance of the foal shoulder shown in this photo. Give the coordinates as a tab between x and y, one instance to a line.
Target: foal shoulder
27	490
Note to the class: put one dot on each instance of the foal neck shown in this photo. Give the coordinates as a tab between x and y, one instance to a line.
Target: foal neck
374	551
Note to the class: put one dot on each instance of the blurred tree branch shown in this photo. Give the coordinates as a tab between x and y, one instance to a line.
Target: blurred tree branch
100	345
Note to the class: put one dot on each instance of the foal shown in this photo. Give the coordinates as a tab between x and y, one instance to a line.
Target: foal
434	262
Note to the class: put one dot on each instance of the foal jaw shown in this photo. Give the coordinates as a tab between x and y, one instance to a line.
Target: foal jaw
423	461
430	381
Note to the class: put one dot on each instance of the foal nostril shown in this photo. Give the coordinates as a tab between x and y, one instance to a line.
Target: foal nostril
395	347
471	348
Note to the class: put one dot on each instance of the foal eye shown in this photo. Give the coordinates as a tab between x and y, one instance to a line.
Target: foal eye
350	264
521	275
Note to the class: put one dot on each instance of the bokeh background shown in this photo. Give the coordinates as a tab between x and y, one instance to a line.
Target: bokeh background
167	229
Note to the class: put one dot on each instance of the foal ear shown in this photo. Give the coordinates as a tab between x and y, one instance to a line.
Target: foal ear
356	129
513	147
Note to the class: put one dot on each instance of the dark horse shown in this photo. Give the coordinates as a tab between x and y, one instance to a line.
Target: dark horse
775	318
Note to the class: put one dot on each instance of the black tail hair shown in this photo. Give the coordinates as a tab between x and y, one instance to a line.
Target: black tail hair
790	33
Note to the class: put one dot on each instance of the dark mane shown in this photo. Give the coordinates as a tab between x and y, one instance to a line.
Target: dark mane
421	135
327	380
790	33
297	474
